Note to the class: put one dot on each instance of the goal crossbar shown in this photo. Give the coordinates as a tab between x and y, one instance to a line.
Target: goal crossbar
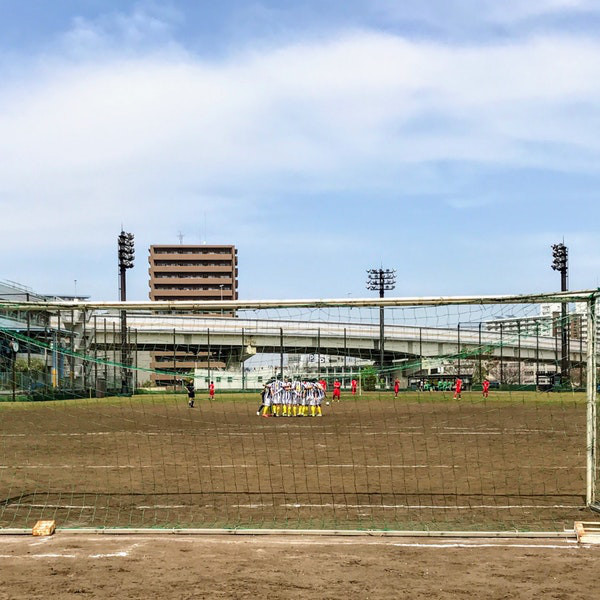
179	305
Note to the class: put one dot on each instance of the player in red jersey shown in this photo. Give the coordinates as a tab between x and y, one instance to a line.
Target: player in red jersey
211	390
396	387
353	385
458	388
337	386
486	388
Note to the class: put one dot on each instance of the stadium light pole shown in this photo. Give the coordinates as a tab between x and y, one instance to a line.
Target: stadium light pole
560	263
381	280
126	254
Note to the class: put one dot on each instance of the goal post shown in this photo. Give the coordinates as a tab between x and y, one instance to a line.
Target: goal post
592	385
98	427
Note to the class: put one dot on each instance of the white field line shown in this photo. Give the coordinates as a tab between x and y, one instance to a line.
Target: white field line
286	465
42	541
50	556
342	541
434	507
119	554
167	506
466	543
324	505
572	546
99	508
40	505
376	506
568	545
301	431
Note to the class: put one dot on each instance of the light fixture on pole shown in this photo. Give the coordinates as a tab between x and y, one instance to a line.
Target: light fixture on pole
381	280
560	263
126	254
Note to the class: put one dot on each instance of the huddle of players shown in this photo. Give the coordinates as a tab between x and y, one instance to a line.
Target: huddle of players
292	399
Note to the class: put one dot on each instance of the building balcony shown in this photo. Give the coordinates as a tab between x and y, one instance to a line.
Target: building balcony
180	364
186	281
174	295
195	267
180	256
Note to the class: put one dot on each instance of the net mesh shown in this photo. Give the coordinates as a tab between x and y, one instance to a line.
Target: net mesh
98	431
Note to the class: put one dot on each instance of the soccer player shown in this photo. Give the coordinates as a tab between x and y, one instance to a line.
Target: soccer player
323	385
486	388
191	392
268	399
277	398
287	398
264	395
353	386
336	390
396	387
211	390
296	397
307	397
458	389
319	394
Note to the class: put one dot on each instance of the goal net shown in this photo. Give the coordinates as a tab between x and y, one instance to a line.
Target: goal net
472	414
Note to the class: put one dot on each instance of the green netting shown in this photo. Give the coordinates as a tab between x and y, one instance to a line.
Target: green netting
97	430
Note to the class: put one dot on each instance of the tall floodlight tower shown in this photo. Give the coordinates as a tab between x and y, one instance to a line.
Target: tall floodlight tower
381	280
126	252
560	263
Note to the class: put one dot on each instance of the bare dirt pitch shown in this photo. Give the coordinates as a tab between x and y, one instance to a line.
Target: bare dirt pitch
420	462
186	567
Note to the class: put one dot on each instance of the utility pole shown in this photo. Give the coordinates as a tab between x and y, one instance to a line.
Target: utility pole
560	254
381	280
126	255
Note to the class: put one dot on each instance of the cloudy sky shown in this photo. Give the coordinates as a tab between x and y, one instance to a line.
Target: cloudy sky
452	140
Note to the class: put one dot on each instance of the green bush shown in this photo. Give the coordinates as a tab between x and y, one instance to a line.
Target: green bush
369	379
35	365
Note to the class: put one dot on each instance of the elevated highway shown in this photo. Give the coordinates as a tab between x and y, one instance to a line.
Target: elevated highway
232	339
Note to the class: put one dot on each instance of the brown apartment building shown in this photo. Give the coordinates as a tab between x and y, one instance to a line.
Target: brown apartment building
192	272
189	272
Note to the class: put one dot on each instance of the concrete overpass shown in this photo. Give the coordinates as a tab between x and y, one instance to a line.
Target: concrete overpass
94	329
231	339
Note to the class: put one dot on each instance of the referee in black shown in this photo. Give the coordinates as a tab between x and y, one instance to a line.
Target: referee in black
191	392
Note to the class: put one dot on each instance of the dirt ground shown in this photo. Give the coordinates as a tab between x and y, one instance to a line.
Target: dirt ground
185	567
421	462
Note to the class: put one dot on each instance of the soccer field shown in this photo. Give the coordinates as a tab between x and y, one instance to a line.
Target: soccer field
422	461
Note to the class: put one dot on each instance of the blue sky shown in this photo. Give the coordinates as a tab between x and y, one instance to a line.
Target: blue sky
454	141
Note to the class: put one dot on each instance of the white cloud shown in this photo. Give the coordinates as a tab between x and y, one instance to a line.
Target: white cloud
147	24
516	10
159	136
331	112
467	16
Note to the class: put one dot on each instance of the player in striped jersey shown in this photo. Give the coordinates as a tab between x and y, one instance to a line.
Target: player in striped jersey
296	397
265	400
277	397
307	397
286	399
267	396
319	393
